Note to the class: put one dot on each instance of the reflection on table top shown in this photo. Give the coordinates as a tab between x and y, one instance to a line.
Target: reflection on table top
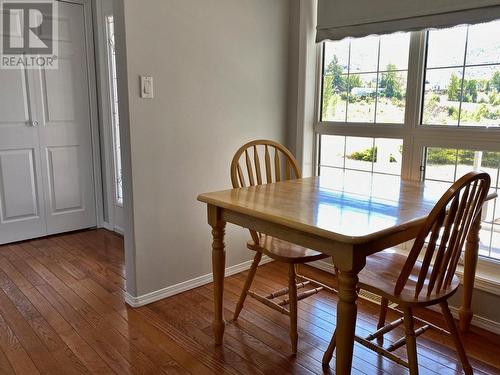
352	208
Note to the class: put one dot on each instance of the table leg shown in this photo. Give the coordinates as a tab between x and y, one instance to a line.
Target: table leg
470	263
218	266
346	321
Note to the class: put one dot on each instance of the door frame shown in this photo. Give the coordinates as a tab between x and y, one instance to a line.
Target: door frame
110	220
92	64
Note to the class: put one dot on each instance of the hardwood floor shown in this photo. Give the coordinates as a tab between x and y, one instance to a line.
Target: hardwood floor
62	312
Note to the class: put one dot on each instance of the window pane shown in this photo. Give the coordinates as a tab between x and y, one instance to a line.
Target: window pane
491	212
388	156
391	97
463	93
443	90
353	72
495	242
440	164
394	49
332	151
446	47
480	98
334	101
449	165
359	153
364	54
362	94
483	46
485	241
377	155
337	54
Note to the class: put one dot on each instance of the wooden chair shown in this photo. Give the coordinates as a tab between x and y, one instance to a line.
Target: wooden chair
428	282
262	162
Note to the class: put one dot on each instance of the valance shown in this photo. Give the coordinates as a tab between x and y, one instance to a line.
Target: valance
338	19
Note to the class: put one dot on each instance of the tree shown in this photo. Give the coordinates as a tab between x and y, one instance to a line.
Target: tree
327	93
454	88
470	91
333	82
335	70
391	83
354	80
495	81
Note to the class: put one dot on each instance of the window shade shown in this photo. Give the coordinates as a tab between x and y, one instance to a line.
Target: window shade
338	19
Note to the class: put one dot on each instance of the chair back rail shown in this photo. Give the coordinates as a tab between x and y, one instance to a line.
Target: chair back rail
247	168
446	230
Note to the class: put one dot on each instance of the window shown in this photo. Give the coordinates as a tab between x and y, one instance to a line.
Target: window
445	165
423	105
113	84
462	77
364	80
375	155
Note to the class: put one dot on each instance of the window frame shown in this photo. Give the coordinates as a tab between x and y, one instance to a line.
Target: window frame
415	135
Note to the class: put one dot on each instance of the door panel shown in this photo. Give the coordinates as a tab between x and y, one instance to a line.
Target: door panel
65	181
65	129
17	186
14	97
59	94
46	164
22	213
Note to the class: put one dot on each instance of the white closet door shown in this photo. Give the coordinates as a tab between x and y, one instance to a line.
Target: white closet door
65	129
22	213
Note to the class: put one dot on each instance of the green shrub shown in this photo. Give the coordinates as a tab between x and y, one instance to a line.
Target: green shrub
446	156
453	112
370	154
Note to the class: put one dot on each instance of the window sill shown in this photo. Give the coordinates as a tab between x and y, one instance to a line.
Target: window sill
487	276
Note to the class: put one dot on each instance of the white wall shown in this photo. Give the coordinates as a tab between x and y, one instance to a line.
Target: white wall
220	71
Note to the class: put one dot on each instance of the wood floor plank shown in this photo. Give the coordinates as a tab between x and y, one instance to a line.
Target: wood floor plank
38	352
325	319
82	349
14	351
62	310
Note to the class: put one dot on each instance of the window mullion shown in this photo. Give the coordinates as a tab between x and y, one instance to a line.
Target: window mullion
463	78
415	85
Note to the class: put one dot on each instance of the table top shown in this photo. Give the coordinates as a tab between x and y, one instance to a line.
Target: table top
351	209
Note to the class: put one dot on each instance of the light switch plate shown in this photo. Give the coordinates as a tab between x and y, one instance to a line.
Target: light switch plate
147	91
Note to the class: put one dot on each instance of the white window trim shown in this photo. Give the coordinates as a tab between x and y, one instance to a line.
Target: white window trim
415	136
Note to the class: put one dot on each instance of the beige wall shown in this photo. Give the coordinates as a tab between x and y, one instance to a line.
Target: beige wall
220	71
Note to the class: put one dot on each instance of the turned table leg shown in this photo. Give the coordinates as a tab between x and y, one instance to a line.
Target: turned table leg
346	321
218	267
470	264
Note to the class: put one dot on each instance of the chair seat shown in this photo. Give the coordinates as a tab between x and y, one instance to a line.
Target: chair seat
382	271
285	251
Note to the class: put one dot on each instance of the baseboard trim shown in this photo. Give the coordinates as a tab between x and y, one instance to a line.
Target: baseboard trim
112	228
323	266
172	290
107	226
477	321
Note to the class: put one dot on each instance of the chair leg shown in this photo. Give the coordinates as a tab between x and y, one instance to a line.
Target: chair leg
456	338
248	284
381	318
411	341
292	295
327	357
383	312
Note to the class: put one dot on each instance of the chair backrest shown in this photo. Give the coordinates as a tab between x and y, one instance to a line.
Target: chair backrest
446	230
262	162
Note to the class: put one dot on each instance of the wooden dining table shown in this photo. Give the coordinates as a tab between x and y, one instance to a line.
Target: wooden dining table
348	217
